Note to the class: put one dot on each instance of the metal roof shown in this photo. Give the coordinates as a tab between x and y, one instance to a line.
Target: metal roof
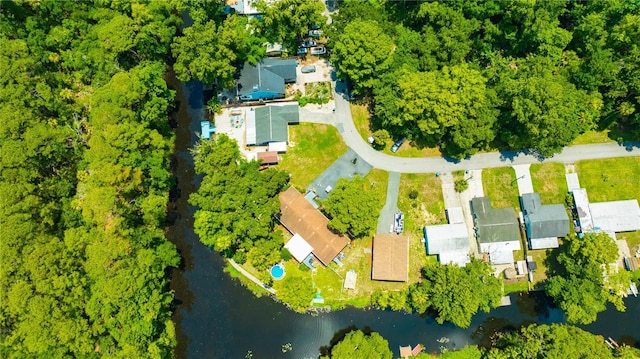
298	247
581	200
271	123
543	221
494	224
616	216
544	243
455	215
446	237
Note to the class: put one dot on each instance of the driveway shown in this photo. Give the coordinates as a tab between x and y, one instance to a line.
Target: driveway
523	177
346	166
385	220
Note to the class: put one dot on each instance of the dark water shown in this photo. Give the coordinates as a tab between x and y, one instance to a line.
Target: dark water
217	318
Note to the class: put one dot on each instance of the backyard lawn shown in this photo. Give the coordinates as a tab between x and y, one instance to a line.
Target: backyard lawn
500	185
315	148
550	181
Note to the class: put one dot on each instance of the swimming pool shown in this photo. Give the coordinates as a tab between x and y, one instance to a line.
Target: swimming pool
277	271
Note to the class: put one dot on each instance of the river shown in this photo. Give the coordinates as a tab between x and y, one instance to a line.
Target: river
216	317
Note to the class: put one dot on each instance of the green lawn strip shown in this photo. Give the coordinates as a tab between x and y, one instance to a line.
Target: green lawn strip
541	272
550	181
516	287
427	208
610	179
500	185
360	115
315	148
590	137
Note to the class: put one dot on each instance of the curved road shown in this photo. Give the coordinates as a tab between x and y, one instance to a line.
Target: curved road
343	121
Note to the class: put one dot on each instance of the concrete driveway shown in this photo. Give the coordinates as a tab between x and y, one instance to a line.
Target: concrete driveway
346	166
385	220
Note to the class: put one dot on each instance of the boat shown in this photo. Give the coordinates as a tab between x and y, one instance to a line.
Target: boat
634	289
398	222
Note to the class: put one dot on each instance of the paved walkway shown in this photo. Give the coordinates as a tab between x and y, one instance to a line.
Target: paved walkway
385	220
250	276
342	120
523	176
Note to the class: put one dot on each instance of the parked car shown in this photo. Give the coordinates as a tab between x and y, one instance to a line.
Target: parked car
308	43
308	69
315	33
302	51
318	50
397	145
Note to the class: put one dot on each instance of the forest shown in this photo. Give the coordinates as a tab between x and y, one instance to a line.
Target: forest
85	179
477	75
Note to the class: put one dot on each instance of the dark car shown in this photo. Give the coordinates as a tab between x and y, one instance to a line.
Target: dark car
308	43
397	144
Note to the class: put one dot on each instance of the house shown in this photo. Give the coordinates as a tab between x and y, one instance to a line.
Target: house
390	258
543	223
270	125
299	217
449	241
497	230
266	80
611	217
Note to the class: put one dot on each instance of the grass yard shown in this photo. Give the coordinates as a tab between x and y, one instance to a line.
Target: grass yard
500	185
521	285
540	274
611	179
549	180
315	148
361	115
590	137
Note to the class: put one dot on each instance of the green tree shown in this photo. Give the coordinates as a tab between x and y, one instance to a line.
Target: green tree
288	21
350	205
296	292
550	341
452	107
362	53
456	293
265	253
380	138
584	281
461	185
357	345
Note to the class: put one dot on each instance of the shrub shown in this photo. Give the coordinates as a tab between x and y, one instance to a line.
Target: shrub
461	185
240	257
285	254
413	194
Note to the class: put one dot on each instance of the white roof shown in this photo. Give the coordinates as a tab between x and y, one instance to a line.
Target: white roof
572	181
543	243
251	127
616	216
447	237
278	146
455	215
461	258
298	247
501	257
581	201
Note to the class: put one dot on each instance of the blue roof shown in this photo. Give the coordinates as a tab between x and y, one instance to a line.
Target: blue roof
206	130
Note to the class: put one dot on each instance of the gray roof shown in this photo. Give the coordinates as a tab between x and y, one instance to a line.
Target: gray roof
543	221
272	121
446	237
494	224
270	75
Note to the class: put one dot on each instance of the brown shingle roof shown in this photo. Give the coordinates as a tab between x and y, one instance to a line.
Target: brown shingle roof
390	257
299	216
268	157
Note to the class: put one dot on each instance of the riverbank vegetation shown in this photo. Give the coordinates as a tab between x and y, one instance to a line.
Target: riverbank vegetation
469	76
533	341
85	178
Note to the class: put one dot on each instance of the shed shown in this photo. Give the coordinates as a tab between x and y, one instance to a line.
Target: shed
299	216
268	158
497	230
390	258
350	280
543	223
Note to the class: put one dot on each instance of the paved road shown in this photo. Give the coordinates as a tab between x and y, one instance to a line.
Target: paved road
343	121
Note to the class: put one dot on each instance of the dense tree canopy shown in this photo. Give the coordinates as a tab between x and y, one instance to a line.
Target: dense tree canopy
585	281
288	21
85	179
358	345
350	206
540	73
237	202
